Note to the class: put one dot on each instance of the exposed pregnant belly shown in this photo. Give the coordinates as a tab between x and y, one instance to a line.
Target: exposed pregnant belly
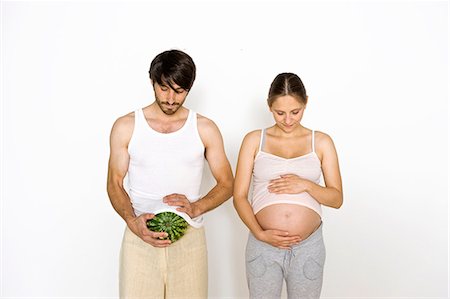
295	219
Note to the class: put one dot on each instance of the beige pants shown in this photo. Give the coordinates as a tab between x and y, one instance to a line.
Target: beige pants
177	271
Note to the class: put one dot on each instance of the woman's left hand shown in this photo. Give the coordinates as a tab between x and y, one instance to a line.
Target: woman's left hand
288	184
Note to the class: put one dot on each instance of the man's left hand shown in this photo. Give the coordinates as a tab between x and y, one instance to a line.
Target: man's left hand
184	205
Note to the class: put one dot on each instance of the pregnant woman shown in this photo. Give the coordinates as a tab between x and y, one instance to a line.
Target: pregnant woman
286	162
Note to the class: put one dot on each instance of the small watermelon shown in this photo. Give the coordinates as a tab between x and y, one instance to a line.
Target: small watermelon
169	222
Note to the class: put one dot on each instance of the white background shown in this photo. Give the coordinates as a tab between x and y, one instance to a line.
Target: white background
376	75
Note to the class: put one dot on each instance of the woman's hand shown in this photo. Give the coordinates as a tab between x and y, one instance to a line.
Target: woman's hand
278	238
288	184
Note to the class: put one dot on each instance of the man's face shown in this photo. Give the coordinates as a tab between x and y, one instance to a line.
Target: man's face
169	99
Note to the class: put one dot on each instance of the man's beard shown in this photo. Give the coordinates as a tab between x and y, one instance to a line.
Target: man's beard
173	108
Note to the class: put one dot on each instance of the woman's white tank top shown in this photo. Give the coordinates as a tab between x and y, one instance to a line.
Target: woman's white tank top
268	166
164	163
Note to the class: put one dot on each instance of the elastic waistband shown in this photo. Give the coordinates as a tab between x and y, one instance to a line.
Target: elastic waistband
313	238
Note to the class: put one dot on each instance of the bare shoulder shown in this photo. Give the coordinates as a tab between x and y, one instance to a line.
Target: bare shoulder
250	143
205	124
209	132
252	138
323	142
123	127
322	137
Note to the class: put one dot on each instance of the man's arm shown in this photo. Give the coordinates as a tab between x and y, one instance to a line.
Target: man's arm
219	165
117	169
220	169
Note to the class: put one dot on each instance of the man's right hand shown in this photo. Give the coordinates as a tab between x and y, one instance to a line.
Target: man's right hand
138	225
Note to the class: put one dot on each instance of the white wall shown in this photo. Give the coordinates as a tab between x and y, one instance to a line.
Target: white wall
376	75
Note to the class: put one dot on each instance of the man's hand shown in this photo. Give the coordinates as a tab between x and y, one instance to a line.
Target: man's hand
138	226
183	204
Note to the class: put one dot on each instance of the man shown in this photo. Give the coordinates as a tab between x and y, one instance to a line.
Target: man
162	148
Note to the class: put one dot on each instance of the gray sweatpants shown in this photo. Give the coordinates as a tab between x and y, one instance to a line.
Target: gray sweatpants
301	267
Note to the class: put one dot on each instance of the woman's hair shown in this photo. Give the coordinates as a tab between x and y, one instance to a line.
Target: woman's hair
173	66
287	84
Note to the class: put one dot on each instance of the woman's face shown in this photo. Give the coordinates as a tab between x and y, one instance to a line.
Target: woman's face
287	112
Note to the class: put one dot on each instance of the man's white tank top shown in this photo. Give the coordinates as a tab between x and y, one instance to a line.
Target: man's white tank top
164	163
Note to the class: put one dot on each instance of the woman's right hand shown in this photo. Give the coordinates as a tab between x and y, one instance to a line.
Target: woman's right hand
138	226
278	238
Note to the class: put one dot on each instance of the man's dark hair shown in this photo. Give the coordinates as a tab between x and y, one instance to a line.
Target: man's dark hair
173	66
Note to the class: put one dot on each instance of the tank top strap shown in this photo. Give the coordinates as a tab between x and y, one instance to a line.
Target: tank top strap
312	141
192	119
139	117
142	121
262	139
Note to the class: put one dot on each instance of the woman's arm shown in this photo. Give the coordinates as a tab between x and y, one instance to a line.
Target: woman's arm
331	194
242	181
